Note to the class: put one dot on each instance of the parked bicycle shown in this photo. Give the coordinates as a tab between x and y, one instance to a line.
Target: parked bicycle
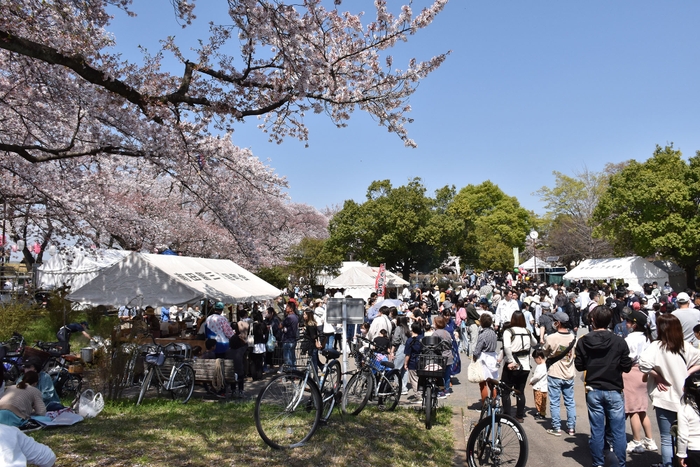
374	379
11	353
430	372
67	384
180	379
291	406
497	439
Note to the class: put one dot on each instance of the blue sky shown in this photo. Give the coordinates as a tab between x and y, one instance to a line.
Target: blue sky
530	87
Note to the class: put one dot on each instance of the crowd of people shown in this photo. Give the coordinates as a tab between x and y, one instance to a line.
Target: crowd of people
634	348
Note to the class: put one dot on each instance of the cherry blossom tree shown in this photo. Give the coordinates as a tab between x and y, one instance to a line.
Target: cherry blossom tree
122	153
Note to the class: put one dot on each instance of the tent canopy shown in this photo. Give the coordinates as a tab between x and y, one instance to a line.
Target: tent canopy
634	270
75	267
164	280
530	264
676	275
358	281
363	276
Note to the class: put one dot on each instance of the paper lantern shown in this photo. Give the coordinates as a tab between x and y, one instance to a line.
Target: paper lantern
36	248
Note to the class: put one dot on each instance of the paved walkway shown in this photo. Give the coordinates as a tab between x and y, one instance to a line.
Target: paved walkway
544	449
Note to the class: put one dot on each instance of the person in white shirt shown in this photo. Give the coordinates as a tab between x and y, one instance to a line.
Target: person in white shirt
688	316
538	381
326	328
380	322
688	440
505	309
18	449
635	389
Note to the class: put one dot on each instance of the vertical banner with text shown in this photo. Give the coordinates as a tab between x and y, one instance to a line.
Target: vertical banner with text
380	281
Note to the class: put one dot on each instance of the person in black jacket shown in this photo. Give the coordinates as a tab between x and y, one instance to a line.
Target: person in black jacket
604	357
573	312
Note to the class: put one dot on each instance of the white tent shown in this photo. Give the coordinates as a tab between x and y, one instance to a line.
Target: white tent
325	277
676	274
358	281
163	280
633	270
75	267
529	265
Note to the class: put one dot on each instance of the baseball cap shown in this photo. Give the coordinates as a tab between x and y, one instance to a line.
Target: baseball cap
561	317
638	318
85	323
636	306
683	298
219	306
545	304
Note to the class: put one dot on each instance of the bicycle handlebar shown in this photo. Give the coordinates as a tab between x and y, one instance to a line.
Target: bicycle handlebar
503	386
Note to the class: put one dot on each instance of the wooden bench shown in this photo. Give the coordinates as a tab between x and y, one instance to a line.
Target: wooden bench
205	370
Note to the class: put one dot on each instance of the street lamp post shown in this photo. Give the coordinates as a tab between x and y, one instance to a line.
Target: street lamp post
533	236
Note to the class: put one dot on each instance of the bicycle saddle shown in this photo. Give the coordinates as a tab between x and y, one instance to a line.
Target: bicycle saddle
330	353
387	364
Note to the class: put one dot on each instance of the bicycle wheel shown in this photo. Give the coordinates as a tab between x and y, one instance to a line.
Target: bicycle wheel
183	383
428	405
356	393
510	447
288	411
70	385
13	373
145	385
389	391
330	388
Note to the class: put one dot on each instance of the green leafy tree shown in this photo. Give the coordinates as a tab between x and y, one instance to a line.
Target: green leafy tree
570	204
401	227
652	208
276	275
311	256
492	223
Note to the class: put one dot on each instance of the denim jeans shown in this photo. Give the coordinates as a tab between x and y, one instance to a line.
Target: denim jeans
561	387
606	406
464	338
288	354
665	418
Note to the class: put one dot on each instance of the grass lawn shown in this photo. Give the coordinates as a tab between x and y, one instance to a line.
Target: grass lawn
166	433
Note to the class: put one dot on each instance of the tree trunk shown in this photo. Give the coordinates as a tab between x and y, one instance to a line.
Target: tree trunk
690	275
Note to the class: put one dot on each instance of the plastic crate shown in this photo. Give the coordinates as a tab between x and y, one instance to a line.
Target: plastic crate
431	366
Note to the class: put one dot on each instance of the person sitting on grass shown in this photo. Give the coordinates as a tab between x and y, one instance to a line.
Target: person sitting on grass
16	449
21	401
45	384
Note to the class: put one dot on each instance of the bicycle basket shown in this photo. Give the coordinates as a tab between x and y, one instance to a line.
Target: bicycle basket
155	358
178	351
432	366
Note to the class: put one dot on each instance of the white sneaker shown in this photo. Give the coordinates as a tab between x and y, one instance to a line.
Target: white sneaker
649	444
635	446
